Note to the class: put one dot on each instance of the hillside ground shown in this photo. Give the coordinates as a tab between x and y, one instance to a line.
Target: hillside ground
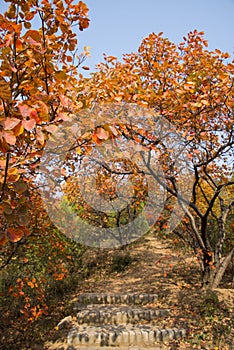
149	265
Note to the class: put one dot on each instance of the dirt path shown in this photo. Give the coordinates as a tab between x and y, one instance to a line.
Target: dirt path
156	268
174	276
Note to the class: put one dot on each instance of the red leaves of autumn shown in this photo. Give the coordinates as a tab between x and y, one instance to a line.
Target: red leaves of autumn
38	69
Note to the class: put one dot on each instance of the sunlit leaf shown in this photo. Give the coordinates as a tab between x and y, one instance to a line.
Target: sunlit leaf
14	234
102	134
10	123
29	124
9	137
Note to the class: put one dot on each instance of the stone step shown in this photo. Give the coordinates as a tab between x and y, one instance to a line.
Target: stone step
120	336
121	298
118	315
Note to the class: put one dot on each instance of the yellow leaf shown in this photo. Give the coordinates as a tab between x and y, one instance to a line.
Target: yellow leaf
118	98
19	129
79	150
13	171
190	137
197	104
205	102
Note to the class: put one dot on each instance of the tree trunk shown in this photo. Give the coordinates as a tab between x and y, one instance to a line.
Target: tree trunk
212	276
222	268
208	277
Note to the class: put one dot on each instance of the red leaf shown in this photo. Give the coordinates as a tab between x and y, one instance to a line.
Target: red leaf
25	110
9	137
2	238
64	101
102	134
10	123
14	235
29	124
26	231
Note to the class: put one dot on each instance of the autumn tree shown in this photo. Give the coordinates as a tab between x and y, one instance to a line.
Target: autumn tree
192	88
122	206
186	85
39	68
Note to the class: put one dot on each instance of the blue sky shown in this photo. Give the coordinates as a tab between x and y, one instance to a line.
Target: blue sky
118	27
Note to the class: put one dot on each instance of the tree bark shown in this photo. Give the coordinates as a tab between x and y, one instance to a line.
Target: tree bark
211	276
222	268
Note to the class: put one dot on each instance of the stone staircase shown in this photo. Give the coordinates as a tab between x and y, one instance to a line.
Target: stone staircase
119	321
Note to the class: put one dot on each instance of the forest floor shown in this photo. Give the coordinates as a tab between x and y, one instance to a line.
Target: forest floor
150	265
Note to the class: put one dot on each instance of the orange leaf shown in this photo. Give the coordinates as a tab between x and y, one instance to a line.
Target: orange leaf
14	235
60	75
84	23
19	129
30	284
2	164
96	139
69	59
32	42
27	25
33	34
190	137
29	16
19	44
113	130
